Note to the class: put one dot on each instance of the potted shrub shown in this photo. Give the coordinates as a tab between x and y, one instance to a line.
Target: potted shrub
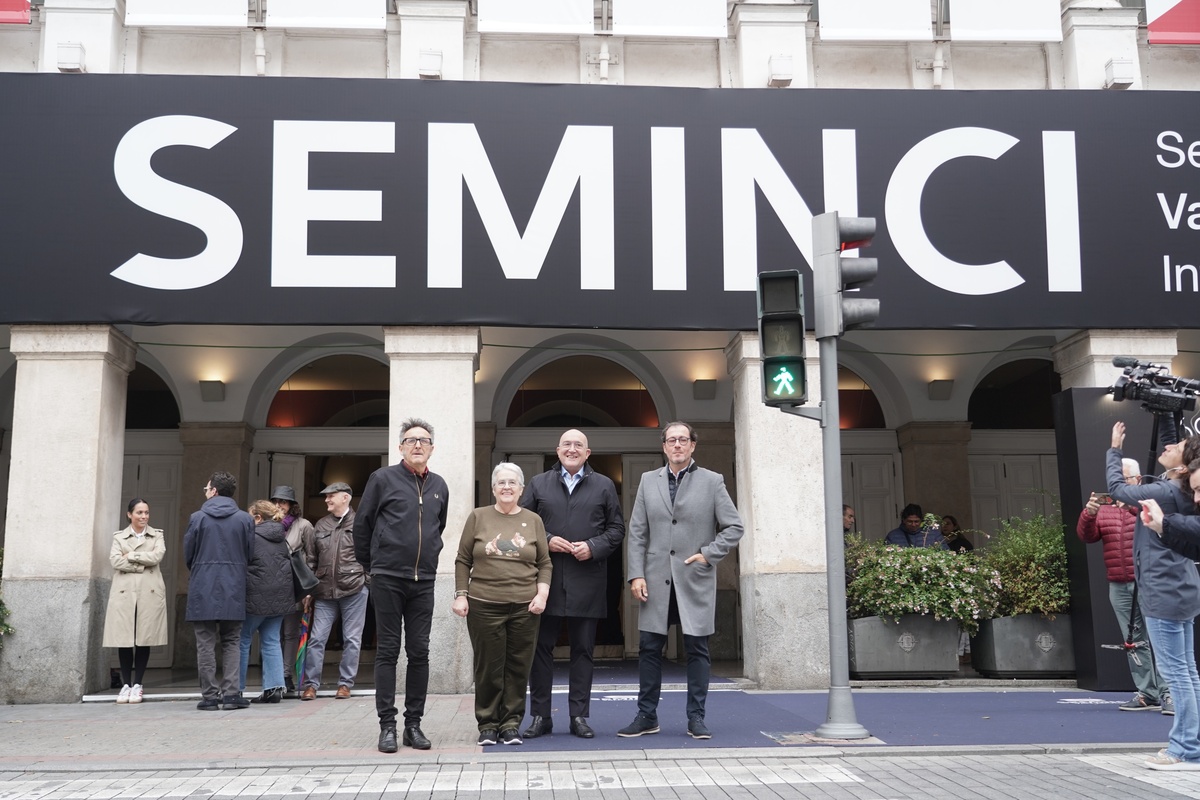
907	604
1030	633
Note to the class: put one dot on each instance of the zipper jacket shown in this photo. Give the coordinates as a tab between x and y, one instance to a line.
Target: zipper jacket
330	555
400	521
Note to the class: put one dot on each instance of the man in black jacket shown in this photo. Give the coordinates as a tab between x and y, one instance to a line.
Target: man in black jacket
584	527
397	539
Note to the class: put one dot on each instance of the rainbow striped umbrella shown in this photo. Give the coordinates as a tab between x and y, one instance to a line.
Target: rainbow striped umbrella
302	647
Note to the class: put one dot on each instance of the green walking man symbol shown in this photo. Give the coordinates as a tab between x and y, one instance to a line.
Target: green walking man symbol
783	383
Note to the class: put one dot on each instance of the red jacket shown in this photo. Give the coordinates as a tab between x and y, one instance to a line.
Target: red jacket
1114	526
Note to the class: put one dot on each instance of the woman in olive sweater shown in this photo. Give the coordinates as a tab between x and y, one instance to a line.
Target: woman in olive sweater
501	580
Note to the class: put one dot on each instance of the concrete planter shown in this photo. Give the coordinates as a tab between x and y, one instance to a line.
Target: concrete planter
918	647
1024	646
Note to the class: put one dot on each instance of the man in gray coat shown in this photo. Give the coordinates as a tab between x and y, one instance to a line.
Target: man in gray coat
683	524
218	545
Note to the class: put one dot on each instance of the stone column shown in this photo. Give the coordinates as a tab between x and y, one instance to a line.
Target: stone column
88	29
433	378
433	26
68	443
936	476
208	447
1085	358
1094	33
785	617
766	29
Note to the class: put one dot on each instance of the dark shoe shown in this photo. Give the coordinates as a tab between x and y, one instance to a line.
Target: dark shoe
510	736
343	692
580	728
1139	703
414	738
233	702
486	737
641	725
269	696
539	726
209	704
1168	705
387	740
697	729
290	693
309	693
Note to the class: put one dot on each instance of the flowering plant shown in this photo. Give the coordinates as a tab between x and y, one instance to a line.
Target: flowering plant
889	581
1030	556
5	628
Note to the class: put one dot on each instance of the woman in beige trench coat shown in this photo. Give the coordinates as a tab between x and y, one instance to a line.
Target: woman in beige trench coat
137	603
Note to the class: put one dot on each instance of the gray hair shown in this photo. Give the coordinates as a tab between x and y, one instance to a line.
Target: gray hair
415	422
508	466
1135	471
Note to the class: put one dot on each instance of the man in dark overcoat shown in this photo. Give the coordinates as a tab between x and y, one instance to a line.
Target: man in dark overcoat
582	515
683	524
217	547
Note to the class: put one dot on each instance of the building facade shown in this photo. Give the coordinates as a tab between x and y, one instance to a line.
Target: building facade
615	309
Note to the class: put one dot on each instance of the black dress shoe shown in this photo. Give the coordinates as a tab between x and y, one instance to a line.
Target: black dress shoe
233	702
387	740
580	728
414	738
539	726
269	696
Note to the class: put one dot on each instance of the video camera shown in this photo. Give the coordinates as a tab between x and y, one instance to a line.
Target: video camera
1157	389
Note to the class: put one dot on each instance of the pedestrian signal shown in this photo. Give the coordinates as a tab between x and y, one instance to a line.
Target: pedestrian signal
781	337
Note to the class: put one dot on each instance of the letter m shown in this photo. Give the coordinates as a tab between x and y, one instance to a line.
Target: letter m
585	157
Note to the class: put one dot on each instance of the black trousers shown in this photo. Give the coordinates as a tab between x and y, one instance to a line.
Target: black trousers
401	604
503	637
582	634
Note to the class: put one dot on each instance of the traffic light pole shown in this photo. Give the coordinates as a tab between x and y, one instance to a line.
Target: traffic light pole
840	720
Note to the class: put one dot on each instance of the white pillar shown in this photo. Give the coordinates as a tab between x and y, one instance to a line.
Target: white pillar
1094	33
433	26
433	378
93	29
1085	359
766	29
68	443
785	617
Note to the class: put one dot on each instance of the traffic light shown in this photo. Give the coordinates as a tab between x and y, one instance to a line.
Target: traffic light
781	336
832	273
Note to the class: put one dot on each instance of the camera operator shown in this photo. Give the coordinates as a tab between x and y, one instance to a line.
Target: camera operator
1112	523
1168	588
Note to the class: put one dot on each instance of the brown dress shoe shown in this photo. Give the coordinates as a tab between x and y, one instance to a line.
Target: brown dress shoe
343	692
309	693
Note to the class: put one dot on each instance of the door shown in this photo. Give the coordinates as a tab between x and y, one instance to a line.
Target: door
869	487
156	479
268	470
1004	486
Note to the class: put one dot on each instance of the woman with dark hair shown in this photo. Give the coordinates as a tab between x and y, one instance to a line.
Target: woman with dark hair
1168	589
269	596
952	533
136	619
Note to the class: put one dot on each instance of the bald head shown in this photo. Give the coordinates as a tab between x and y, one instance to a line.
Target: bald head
573	450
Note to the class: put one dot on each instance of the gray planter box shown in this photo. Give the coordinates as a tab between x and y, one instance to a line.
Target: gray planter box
917	647
1024	646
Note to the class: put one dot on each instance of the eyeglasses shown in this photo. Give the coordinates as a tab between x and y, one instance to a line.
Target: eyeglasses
572	446
413	441
507	482
207	489
680	440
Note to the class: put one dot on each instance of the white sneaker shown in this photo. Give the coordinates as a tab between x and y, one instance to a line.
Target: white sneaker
135	693
123	697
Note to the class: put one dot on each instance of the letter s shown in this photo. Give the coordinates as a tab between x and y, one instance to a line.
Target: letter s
219	222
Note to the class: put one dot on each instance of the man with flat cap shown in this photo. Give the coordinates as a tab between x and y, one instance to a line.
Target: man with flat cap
341	591
298	530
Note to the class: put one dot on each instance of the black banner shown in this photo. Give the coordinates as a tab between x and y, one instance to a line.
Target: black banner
162	199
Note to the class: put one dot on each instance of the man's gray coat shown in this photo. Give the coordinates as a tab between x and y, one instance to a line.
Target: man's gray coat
661	537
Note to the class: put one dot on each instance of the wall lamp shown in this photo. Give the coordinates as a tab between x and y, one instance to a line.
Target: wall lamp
71	57
429	65
940	390
704	389
780	69
212	391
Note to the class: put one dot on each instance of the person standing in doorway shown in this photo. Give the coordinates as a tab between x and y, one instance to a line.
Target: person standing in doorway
298	532
397	541
582	515
683	524
217	548
847	520
341	591
911	534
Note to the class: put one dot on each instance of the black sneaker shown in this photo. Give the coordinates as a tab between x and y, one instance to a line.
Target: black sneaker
642	724
232	702
209	704
510	736
697	729
486	737
1139	703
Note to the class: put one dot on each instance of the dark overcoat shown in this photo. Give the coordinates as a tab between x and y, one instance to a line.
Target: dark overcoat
217	548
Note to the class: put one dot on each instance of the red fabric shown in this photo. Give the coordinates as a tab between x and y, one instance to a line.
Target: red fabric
14	11
1179	25
1114	526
